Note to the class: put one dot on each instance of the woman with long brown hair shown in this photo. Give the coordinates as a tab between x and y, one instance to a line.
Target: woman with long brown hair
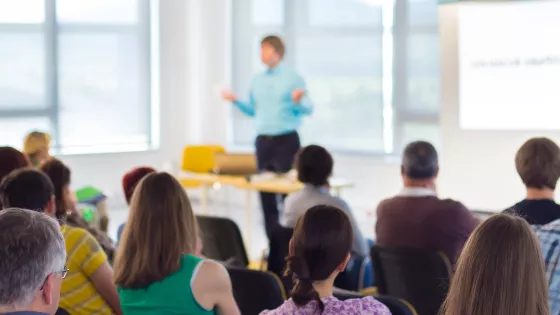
500	272
155	268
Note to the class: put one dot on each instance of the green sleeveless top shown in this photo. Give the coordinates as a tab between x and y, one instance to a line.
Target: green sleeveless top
173	295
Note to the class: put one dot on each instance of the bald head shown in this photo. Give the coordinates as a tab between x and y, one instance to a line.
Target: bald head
420	161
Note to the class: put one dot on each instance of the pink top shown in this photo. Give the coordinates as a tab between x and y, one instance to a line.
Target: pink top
367	305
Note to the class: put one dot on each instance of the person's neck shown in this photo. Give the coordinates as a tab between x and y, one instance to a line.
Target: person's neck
273	66
536	194
324	288
12	309
426	184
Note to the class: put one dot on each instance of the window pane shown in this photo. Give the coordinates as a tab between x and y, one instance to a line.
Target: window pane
412	131
423	72
22	78
268	12
22	11
343	13
97	11
102	90
422	12
14	130
345	82
348	113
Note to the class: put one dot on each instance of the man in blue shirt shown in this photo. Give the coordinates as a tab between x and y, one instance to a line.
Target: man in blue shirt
278	101
549	236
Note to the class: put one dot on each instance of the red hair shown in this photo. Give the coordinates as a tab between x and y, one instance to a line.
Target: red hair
131	179
11	160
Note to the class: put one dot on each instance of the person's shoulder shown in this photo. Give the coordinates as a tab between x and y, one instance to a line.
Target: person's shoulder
452	205
365	305
213	273
72	233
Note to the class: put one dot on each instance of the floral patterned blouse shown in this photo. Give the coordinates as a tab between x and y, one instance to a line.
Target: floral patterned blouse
367	305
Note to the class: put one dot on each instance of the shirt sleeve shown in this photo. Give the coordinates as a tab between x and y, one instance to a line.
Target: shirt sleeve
360	246
305	106
247	108
89	255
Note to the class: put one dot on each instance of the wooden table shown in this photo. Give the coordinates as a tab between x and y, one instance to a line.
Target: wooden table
265	183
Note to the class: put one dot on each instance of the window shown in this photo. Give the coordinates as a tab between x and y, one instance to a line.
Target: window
79	70
371	67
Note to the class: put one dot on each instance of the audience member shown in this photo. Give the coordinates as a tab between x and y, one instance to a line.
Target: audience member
314	165
416	217
549	236
37	145
129	182
500	272
32	263
156	272
89	288
10	160
66	208
538	165
319	251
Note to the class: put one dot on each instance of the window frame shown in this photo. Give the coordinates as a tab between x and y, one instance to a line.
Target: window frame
394	32
51	30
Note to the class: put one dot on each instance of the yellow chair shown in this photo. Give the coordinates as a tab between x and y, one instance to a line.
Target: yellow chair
198	159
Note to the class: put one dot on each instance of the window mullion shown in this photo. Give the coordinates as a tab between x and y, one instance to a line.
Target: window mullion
51	59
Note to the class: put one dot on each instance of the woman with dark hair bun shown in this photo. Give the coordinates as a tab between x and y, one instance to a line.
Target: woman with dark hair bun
319	251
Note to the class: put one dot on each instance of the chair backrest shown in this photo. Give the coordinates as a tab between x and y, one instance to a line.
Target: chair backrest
255	291
200	158
279	250
418	276
396	306
222	241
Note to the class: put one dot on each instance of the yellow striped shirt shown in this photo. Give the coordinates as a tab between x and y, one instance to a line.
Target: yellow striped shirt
78	296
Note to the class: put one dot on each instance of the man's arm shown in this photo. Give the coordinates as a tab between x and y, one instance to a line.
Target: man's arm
248	108
303	104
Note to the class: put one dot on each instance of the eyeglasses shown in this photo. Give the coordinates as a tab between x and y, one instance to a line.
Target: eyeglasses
63	272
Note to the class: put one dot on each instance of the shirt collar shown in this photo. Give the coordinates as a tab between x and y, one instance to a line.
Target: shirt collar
276	69
321	189
416	192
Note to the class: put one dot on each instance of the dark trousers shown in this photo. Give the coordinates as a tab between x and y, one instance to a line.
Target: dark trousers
275	154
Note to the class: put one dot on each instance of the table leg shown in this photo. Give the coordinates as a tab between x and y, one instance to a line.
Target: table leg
249	223
204	201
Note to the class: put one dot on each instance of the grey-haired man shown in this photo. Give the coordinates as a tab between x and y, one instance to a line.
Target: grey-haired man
32	262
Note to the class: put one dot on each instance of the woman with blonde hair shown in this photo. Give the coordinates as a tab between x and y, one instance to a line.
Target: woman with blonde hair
500	272
155	268
37	145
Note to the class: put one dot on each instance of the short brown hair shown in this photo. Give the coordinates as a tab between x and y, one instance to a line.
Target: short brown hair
60	176
161	206
501	271
538	163
275	42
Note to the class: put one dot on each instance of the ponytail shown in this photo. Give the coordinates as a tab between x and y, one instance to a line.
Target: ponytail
303	291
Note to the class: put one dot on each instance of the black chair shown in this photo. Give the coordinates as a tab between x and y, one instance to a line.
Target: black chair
256	291
61	311
279	249
352	278
396	306
222	241
418	276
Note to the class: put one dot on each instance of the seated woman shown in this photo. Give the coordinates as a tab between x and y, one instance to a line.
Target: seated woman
66	206
37	145
500	271
314	166
11	160
156	271
319	251
129	182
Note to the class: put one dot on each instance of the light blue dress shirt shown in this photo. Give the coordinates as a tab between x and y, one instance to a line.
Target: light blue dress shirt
270	101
